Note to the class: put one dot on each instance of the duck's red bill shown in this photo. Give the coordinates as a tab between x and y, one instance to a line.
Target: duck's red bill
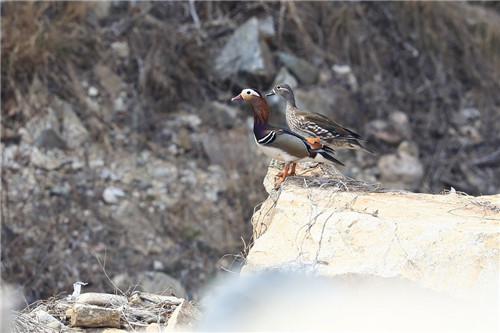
237	98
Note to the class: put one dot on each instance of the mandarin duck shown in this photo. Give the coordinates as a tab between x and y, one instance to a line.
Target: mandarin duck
316	125
279	143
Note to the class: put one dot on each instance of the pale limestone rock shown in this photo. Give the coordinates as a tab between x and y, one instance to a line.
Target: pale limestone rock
447	243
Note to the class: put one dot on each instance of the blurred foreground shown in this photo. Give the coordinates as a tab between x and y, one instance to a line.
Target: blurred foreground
275	301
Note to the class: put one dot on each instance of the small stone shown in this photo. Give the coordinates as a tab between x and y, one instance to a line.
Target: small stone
393	131
190	120
400	171
112	195
61	190
341	69
409	148
158	265
345	72
50	160
184	139
121	49
93	92
119	104
77	164
96	163
467	116
47	319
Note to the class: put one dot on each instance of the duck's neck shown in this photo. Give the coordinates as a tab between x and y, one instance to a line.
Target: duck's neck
260	116
290	100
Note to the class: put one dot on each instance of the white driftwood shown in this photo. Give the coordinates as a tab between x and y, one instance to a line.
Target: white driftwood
86	315
101	299
140	297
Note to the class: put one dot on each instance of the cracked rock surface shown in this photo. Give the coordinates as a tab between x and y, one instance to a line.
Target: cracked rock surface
447	242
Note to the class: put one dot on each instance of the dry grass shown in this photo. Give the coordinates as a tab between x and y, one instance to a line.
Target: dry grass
42	40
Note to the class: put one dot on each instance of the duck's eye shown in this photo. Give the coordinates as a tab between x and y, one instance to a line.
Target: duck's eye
278	87
248	92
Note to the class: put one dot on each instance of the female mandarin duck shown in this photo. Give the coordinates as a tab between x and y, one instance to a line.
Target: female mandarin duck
279	143
316	125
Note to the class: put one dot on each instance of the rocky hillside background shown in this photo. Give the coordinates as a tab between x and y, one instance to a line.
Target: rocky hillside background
123	162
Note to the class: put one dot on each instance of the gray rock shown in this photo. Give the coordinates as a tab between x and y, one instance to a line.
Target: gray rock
393	131
305	72
344	72
160	283
245	52
121	49
49	160
266	27
284	76
102	9
400	171
93	92
218	115
119	104
409	148
73	131
49	139
400	122
61	189
112	195
47	320
319	100
467	116
44	120
109	80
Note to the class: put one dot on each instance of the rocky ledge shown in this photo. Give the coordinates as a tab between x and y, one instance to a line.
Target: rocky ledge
333	226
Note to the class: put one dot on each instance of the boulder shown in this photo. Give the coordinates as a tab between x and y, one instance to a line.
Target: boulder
57	127
401	170
245	52
392	131
305	71
446	243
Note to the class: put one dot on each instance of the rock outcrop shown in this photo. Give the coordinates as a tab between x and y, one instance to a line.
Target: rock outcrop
448	242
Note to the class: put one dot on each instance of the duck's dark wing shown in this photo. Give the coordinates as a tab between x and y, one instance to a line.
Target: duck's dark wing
323	127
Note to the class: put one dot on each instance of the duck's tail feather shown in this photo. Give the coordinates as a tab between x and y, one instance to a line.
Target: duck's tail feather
327	153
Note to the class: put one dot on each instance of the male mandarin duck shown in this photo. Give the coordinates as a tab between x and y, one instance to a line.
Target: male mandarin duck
279	143
316	125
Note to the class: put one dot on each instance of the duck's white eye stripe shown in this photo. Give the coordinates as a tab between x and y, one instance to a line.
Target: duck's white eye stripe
250	92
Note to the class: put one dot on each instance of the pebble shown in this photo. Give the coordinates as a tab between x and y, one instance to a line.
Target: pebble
93	92
112	195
